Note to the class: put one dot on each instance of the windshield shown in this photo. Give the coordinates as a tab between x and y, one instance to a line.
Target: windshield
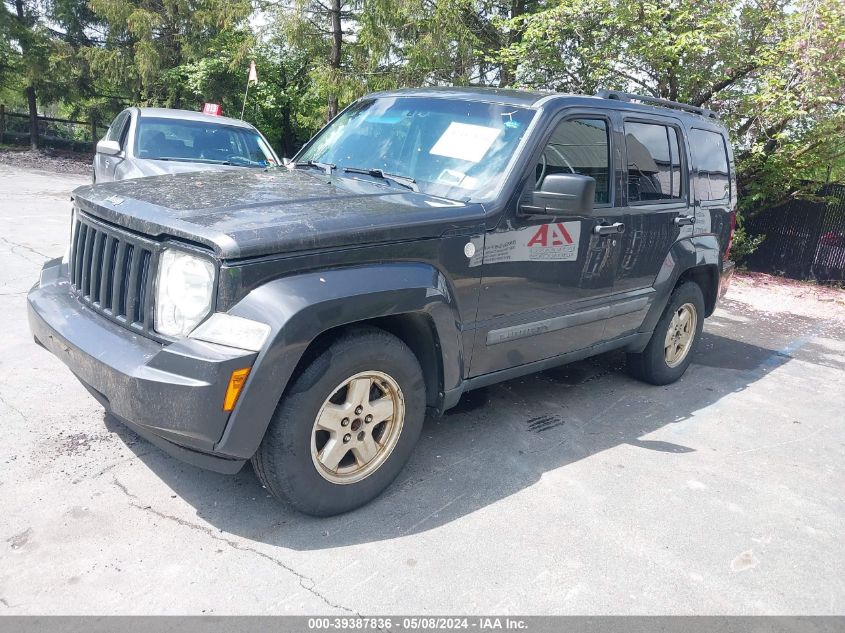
450	148
200	141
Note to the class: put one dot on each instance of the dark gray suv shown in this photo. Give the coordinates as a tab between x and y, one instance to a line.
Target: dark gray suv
425	243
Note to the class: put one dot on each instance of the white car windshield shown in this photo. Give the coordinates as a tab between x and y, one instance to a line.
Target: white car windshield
445	147
200	141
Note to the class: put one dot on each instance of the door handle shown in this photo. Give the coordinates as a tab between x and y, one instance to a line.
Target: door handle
685	220
609	229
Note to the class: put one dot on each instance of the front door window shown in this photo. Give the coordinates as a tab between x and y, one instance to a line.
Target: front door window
579	146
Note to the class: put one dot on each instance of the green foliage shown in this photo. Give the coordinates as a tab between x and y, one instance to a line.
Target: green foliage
774	69
152	46
29	48
743	244
11	62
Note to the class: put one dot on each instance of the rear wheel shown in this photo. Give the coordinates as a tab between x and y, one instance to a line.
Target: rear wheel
669	352
346	426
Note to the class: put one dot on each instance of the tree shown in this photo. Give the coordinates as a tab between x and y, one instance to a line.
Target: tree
321	29
147	43
283	99
11	89
41	55
789	128
425	42
365	45
32	49
773	69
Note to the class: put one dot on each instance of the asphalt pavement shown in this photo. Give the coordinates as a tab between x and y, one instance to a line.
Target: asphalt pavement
575	491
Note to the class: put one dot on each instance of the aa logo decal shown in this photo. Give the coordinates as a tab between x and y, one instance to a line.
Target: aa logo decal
551	235
555	242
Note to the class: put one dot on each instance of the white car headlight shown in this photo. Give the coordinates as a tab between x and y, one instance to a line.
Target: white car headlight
184	289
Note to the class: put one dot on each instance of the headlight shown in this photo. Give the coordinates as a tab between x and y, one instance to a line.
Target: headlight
184	287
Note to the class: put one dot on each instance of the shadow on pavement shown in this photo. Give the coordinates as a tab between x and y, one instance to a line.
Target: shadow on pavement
499	440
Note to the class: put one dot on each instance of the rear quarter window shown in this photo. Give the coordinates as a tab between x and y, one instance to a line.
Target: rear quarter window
712	170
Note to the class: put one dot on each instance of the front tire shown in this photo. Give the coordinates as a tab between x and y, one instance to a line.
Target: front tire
346	426
669	351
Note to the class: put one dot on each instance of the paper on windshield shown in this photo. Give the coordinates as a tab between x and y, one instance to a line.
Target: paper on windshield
465	142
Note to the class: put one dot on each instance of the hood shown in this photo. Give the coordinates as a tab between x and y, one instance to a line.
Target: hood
248	213
148	167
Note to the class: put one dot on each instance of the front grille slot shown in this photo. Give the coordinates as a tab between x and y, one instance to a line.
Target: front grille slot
96	264
106	281
112	272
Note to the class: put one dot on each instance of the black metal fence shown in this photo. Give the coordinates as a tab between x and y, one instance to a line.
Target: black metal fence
805	239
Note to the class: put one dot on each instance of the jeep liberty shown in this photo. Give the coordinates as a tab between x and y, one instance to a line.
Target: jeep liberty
425	243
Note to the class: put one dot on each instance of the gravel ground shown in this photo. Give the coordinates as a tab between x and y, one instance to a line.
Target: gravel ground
55	161
778	295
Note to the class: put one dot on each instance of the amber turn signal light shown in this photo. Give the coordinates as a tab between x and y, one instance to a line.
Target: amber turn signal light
236	383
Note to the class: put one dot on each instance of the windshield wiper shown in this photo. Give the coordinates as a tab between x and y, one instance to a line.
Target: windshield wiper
192	160
326	167
404	181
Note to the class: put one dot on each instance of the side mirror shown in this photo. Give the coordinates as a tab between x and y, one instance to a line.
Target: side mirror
109	148
561	194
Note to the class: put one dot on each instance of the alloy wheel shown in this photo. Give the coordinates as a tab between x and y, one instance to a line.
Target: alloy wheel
680	335
357	427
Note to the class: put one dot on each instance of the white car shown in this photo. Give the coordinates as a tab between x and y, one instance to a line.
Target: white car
154	141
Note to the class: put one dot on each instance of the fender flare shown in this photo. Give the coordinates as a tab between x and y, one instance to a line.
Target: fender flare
692	252
302	307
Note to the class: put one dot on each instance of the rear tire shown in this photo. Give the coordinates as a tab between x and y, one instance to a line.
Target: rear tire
673	342
346	426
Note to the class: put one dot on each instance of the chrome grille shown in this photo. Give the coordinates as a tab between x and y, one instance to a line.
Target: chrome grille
112	271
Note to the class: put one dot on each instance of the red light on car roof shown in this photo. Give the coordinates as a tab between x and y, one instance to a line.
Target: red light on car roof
212	108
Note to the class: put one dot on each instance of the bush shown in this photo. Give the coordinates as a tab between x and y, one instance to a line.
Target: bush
743	244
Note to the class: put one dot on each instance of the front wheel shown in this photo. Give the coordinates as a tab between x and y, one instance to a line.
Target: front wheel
346	426
669	352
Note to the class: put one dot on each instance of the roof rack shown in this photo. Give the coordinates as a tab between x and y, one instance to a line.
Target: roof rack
627	96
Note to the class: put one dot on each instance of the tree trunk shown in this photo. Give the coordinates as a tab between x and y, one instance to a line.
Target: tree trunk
33	117
287	138
673	82
334	57
506	74
30	89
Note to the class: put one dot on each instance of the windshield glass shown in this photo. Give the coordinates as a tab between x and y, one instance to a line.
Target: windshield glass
451	148
200	141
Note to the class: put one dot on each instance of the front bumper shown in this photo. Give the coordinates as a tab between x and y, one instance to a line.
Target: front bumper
171	394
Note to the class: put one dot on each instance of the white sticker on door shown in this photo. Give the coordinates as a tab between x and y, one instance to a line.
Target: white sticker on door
555	242
465	142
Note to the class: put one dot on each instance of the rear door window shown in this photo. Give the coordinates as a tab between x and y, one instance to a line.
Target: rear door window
654	163
712	174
